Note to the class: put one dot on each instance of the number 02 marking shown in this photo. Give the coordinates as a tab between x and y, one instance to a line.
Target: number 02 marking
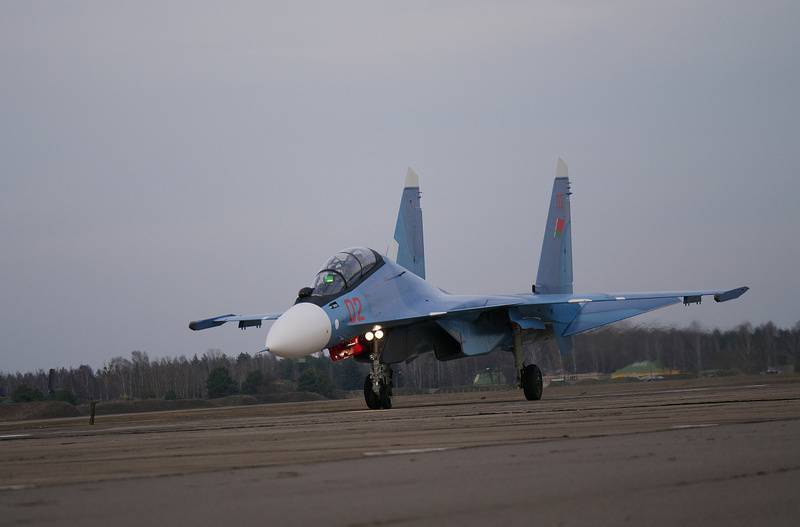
353	306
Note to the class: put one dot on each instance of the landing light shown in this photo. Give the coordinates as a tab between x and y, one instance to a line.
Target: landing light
369	336
379	334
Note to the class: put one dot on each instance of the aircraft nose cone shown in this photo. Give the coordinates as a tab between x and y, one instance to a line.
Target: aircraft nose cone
302	330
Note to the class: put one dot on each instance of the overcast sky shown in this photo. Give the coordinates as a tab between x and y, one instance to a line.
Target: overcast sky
166	161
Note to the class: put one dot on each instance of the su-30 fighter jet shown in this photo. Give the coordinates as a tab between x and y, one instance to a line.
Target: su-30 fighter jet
381	310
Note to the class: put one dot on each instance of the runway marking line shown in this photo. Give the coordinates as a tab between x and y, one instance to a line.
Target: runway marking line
16	487
399	452
686	427
9	437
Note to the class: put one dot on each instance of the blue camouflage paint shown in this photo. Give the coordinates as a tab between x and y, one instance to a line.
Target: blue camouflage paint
421	318
408	234
555	262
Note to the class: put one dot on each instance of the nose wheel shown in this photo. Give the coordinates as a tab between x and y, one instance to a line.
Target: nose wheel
380	397
378	383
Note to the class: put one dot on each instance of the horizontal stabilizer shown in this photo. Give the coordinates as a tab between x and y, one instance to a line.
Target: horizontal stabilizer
207	323
245	321
730	295
596	314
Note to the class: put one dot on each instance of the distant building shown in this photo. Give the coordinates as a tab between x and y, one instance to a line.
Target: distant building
570	378
489	376
646	369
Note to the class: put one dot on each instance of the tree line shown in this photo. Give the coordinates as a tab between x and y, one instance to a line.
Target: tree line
743	349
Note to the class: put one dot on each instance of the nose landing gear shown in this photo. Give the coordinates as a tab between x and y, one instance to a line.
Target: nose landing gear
378	383
378	394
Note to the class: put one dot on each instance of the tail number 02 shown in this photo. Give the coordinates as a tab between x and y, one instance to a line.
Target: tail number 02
354	307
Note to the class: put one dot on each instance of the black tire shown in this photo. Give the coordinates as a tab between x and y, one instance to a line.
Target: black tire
532	383
386	396
373	401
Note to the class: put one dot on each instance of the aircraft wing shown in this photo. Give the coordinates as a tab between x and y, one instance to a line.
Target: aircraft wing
569	313
579	313
245	321
689	297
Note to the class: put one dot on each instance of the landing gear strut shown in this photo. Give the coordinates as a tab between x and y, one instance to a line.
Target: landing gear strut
378	383
529	377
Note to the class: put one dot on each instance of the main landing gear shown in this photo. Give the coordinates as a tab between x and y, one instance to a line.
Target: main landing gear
529	377
378	384
531	382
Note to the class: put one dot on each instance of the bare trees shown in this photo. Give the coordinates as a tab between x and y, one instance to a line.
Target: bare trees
744	348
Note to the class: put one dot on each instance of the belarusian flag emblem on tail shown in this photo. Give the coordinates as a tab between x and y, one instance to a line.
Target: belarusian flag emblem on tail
559	228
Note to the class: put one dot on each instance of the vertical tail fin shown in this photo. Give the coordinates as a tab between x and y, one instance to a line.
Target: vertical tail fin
408	246
555	262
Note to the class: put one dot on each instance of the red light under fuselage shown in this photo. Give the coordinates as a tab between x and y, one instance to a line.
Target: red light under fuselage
346	349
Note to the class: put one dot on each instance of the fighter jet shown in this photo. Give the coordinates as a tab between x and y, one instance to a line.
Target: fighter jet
381	309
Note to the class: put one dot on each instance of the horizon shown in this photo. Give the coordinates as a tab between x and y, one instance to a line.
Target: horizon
164	164
625	325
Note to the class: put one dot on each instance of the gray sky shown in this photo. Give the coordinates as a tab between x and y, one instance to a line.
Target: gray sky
168	161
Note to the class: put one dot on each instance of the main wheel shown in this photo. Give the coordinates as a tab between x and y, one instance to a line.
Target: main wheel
386	396
532	382
373	401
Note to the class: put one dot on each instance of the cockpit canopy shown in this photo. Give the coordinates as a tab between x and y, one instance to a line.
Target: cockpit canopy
344	270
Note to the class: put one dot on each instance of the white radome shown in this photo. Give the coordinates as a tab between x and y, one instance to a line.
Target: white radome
302	330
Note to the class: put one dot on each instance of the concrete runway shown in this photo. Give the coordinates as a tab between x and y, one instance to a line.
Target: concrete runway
707	452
